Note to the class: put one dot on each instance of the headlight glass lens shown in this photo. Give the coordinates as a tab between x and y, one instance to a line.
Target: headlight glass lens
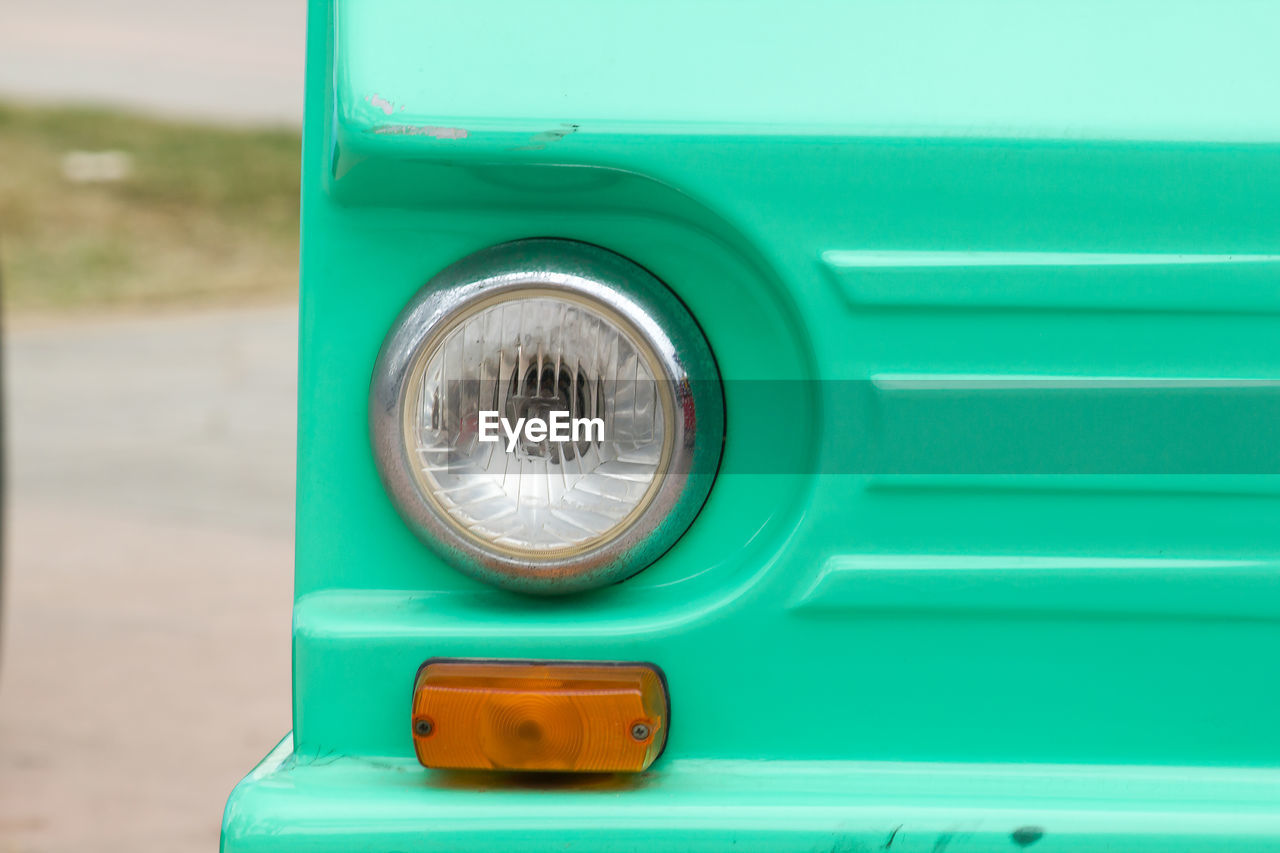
523	359
547	416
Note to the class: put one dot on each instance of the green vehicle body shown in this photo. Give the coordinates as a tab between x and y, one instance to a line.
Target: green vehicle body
993	558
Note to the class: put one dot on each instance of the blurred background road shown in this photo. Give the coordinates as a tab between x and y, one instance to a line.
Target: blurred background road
148	241
146	647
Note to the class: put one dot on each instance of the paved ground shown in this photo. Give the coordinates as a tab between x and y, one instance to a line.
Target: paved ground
146	639
226	59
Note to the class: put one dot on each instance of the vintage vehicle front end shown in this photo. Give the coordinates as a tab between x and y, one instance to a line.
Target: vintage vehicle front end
936	348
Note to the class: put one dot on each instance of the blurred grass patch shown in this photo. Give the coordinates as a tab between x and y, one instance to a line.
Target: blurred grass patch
201	213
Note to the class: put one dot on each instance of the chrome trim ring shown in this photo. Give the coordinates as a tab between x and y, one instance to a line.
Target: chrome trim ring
678	355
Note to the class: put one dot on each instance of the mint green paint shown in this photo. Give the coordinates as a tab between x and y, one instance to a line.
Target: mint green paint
979	214
352	805
1057	280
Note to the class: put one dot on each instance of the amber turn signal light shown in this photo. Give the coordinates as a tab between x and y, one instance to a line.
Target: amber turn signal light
520	715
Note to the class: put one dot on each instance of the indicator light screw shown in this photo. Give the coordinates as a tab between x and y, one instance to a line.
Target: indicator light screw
640	731
422	727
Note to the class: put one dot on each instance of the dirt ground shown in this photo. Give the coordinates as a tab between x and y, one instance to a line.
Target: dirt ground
145	659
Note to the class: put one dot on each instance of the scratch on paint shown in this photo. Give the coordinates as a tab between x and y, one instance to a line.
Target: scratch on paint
539	141
421	130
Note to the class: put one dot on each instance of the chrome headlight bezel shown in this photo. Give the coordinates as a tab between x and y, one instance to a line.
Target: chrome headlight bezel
678	354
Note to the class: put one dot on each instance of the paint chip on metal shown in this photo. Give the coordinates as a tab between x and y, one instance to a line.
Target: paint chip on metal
421	130
381	103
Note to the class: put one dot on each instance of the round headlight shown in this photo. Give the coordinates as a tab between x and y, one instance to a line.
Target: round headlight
547	415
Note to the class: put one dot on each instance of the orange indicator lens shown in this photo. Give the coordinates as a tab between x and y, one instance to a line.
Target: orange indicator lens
513	715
